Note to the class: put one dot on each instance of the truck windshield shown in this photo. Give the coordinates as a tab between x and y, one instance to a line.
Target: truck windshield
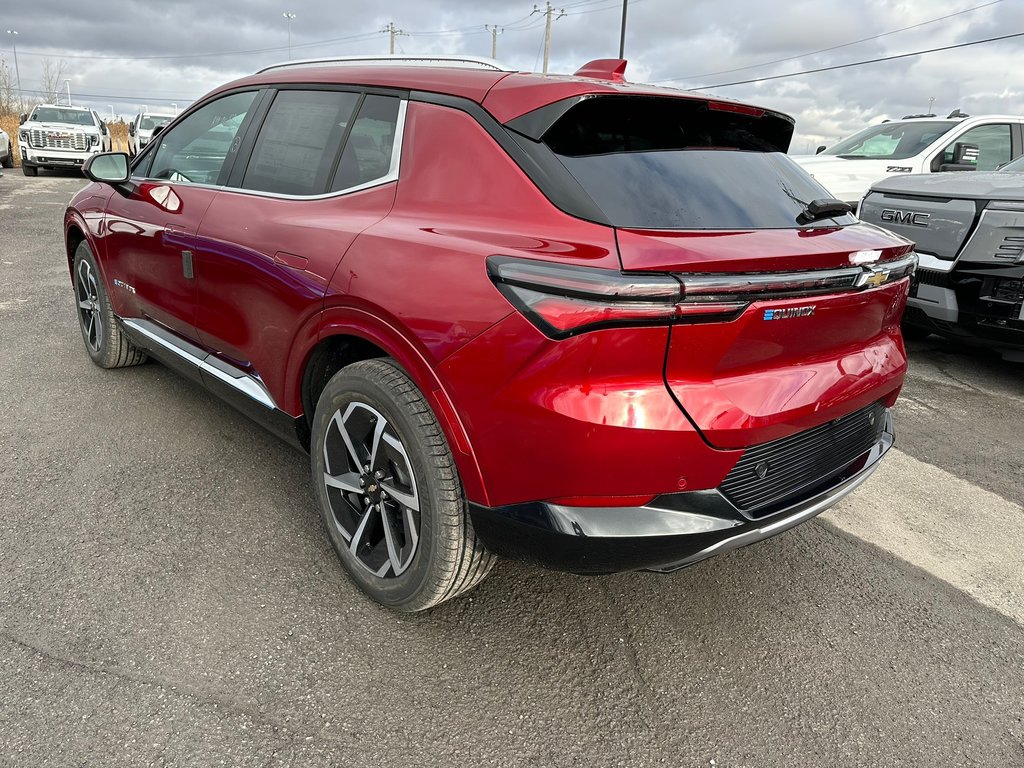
891	141
149	122
671	163
58	115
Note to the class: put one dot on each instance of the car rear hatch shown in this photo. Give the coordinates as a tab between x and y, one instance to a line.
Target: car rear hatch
788	320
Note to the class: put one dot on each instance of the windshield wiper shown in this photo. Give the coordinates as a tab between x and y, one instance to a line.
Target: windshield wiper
823	208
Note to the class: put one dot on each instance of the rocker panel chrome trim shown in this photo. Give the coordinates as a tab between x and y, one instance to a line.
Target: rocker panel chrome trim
204	361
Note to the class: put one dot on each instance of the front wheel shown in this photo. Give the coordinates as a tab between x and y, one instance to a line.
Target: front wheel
9	159
106	344
389	491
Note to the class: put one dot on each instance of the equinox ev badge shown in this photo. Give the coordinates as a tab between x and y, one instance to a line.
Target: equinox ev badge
910	218
786	314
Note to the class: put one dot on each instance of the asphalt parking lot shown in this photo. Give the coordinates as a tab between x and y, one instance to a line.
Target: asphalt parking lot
167	596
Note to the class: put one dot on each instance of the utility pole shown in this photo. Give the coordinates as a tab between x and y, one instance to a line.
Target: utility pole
394	32
548	11
14	41
495	31
622	34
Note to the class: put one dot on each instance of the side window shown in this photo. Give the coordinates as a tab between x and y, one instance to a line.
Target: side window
195	150
298	144
370	146
993	142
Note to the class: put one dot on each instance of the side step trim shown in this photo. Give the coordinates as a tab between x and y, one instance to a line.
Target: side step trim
234	377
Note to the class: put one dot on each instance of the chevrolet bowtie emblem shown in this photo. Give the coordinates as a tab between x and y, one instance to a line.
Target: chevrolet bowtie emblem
875	279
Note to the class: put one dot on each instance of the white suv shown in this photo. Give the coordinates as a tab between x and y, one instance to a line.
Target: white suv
56	136
140	130
922	144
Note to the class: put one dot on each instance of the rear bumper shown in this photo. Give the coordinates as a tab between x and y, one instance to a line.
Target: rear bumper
672	532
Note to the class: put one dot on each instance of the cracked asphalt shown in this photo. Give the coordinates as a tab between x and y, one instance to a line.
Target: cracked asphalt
168	598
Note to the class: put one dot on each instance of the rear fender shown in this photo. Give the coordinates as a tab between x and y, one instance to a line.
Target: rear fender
349	321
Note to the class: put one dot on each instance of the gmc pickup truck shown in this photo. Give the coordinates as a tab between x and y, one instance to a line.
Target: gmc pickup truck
55	136
969	230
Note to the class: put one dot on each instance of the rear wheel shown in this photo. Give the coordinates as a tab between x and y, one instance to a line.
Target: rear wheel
8	161
389	492
106	344
29	170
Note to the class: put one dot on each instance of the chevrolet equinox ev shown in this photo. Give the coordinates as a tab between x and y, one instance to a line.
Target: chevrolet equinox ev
572	320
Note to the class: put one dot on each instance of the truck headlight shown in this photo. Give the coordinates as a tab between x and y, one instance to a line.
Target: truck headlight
94	140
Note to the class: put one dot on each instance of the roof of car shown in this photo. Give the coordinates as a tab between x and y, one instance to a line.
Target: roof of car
505	94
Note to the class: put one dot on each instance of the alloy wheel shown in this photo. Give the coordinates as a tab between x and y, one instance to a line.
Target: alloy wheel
371	489
89	311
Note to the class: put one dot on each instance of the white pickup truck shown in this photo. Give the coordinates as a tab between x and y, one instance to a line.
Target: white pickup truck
140	129
920	144
54	136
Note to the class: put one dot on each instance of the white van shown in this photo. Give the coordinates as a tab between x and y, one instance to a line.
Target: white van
917	144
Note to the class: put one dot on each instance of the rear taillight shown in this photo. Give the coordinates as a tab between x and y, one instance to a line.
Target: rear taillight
564	300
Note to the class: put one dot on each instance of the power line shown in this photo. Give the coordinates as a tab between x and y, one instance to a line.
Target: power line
826	50
860	63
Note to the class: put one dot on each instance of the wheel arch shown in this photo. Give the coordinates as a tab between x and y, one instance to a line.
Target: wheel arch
345	336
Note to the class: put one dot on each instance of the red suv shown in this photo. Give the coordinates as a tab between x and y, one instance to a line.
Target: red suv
590	324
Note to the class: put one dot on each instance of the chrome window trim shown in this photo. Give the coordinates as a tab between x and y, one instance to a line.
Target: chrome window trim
391	176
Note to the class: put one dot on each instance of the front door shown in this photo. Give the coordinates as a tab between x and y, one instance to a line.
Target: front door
152	225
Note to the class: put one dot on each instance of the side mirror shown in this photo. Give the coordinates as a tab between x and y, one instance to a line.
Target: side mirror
965	158
157	130
108	168
24	117
131	129
819	150
965	153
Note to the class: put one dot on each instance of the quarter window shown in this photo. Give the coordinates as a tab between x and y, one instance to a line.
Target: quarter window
369	150
298	144
992	141
196	149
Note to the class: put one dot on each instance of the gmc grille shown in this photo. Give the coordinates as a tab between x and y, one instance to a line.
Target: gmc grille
42	139
931	277
772	473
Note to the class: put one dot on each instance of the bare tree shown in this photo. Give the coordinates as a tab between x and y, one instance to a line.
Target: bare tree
53	74
9	99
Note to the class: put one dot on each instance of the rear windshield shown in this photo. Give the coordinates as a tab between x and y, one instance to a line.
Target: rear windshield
890	141
57	115
667	163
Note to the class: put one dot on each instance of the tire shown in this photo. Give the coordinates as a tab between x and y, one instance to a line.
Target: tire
8	161
29	170
414	544
104	341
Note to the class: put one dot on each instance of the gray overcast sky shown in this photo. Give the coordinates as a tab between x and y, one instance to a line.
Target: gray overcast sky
110	49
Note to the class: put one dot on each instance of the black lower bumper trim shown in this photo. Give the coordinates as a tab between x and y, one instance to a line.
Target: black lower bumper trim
671	532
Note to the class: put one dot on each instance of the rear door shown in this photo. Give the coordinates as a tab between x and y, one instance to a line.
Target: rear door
321	170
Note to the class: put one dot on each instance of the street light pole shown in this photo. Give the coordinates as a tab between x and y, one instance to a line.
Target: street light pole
622	34
289	16
67	84
14	42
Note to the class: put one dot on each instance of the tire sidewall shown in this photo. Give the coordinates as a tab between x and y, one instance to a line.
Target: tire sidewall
345	387
84	253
